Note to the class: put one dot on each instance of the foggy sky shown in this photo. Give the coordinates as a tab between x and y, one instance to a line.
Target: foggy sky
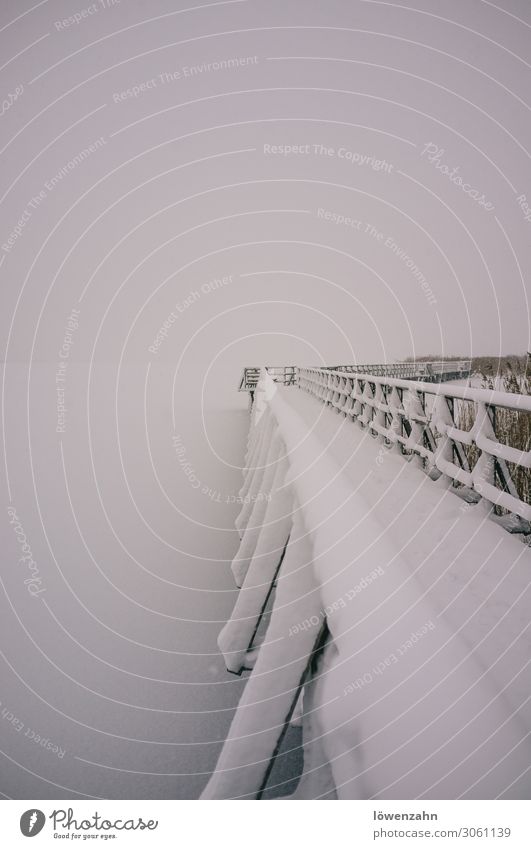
180	190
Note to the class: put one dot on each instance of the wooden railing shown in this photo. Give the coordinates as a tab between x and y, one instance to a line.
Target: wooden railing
421	419
286	375
430	372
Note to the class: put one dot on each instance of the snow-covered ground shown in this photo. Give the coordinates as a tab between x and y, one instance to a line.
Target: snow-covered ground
424	688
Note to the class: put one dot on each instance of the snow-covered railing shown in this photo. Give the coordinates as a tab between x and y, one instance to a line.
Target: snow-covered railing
418	418
430	372
393	702
287	375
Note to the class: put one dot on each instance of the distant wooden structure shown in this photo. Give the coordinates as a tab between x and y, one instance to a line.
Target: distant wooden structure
428	372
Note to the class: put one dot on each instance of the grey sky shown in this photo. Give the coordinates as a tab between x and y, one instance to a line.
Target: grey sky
378	82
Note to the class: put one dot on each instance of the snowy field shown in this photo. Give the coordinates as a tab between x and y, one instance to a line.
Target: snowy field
115	658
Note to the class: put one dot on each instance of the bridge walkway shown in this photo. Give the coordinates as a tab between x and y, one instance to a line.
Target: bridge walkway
422	687
470	570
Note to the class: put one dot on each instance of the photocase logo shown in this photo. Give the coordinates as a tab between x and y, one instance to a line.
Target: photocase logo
31	822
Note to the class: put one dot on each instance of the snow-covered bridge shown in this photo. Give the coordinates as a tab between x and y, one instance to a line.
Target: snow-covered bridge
384	577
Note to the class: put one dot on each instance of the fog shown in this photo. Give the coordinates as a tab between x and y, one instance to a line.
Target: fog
187	191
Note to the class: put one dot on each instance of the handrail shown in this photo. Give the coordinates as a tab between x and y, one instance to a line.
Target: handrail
286	375
418	418
431	371
508	400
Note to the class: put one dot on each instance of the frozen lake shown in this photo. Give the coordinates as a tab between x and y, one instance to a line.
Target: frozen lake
129	516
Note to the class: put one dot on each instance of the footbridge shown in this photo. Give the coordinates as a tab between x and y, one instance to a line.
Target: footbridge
385	576
430	372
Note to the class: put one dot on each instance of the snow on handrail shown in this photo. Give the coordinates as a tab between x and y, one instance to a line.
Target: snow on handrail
280	374
432	372
422	419
509	400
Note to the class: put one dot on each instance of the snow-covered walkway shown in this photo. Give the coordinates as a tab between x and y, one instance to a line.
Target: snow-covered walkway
424	687
473	572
